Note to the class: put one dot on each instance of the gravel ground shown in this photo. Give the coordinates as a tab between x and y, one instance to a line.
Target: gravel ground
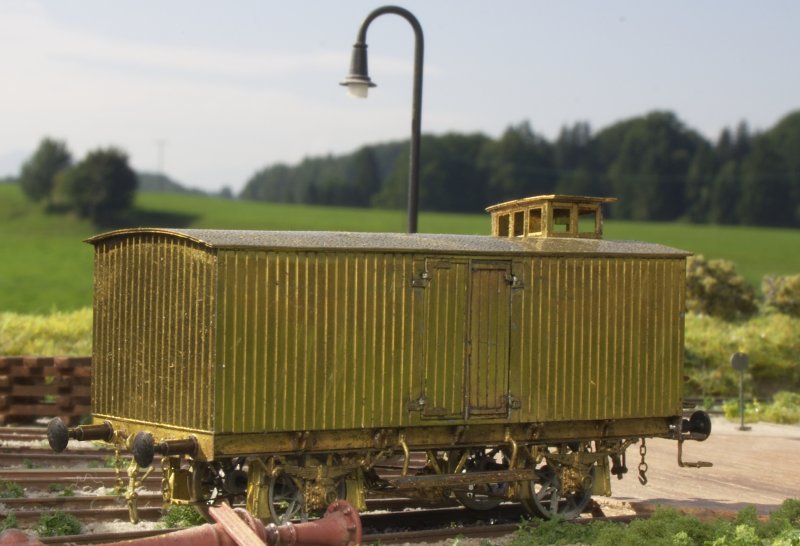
756	467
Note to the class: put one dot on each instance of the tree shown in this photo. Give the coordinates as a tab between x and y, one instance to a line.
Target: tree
649	173
725	191
101	185
574	158
785	138
766	192
519	164
38	174
365	180
450	180
698	184
725	186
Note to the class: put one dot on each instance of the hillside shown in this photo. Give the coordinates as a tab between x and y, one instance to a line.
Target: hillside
156	182
44	265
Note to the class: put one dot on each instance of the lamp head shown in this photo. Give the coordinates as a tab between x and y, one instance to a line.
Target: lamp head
358	82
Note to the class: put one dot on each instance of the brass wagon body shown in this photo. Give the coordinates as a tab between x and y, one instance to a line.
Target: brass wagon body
277	348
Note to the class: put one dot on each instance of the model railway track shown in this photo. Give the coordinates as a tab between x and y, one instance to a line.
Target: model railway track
77	502
29	508
30	455
41	479
23	434
10	457
26	518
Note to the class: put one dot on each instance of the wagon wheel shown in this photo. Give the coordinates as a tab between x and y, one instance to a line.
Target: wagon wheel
203	482
221	479
480	497
285	499
232	479
202	487
549	499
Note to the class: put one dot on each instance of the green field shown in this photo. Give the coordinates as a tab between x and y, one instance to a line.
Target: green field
44	265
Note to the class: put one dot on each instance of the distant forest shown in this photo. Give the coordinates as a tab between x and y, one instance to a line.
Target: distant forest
659	168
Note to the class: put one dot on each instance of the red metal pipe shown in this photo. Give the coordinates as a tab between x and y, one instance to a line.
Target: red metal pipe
340	526
202	535
15	537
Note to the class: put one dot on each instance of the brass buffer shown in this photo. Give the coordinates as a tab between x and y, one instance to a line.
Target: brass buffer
144	448
58	435
697	427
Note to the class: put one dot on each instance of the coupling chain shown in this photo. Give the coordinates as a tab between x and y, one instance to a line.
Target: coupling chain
642	464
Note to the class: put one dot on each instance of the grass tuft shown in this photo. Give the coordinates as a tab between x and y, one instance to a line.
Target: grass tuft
11	490
668	527
181	516
57	524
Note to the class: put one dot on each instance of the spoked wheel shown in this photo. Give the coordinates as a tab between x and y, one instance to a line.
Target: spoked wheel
202	487
220	479
550	499
481	497
203	481
286	500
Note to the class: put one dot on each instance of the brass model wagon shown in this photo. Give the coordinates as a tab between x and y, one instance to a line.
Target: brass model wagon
289	366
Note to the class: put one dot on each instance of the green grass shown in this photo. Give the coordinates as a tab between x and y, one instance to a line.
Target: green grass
669	527
181	516
756	251
45	266
57	524
11	490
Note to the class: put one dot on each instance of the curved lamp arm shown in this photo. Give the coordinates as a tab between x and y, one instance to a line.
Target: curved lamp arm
358	84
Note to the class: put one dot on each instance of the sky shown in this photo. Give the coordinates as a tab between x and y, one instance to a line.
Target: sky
209	92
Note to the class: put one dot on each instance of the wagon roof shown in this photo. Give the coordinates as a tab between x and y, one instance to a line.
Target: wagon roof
418	242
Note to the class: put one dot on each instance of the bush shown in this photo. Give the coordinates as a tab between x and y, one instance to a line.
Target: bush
61	489
713	288
60	333
770	341
785	518
784	409
182	516
782	293
11	490
753	411
10	522
669	527
57	524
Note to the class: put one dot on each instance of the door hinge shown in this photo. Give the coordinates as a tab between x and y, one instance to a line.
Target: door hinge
421	280
513	402
514	282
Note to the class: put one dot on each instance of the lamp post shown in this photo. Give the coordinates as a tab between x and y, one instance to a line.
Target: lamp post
358	84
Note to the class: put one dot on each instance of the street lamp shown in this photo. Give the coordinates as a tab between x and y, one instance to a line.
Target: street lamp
358	84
